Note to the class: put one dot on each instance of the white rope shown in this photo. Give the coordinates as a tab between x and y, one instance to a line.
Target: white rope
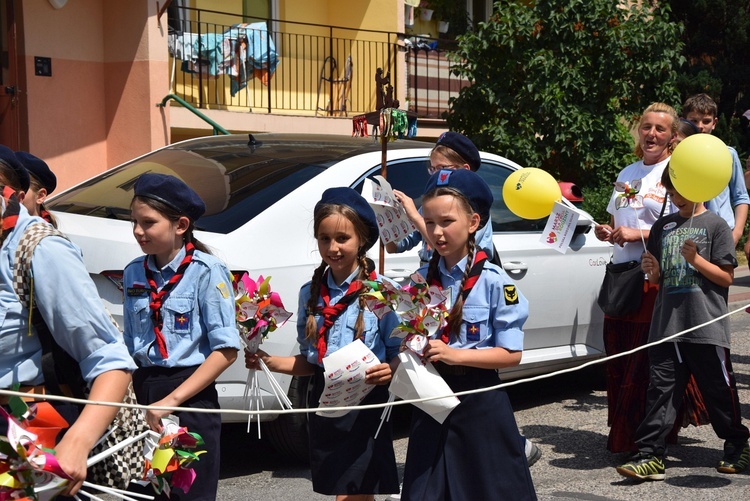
374	406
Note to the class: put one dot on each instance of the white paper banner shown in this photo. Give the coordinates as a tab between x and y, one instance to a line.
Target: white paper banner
561	225
393	223
414	379
344	378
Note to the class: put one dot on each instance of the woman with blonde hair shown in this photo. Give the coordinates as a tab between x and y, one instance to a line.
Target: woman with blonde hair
637	202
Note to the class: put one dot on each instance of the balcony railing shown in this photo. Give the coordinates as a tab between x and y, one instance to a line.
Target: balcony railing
430	82
226	61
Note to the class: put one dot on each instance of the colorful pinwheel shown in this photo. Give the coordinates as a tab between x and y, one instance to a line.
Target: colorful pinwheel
28	466
628	194
259	311
420	307
169	459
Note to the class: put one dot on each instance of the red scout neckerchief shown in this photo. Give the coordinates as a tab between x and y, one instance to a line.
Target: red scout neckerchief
44	214
331	313
10	216
476	269
158	297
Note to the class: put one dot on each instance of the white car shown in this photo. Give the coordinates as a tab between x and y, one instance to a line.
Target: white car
260	191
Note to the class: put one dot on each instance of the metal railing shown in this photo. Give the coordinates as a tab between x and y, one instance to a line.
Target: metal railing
218	129
228	61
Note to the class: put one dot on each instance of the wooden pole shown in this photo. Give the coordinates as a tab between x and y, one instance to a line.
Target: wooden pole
384	173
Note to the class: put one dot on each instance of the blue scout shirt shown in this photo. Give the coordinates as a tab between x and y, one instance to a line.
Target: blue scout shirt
484	238
376	334
68	302
733	195
494	311
199	313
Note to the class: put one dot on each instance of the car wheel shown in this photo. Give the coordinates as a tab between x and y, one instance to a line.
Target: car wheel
288	433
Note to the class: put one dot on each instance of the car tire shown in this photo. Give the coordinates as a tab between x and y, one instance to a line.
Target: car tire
288	433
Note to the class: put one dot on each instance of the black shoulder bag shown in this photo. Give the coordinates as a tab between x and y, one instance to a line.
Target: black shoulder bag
621	292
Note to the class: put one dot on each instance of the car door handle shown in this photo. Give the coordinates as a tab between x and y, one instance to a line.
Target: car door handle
400	276
515	266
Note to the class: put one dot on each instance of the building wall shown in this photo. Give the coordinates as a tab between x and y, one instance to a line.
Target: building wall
109	68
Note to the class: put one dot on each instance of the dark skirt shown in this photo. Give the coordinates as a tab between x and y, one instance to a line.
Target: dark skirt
345	458
477	453
151	384
628	376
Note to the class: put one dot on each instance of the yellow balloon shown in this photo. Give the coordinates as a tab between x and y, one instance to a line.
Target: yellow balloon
700	167
531	193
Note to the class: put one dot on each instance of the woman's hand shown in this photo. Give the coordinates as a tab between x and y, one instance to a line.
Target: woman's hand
603	232
378	374
623	234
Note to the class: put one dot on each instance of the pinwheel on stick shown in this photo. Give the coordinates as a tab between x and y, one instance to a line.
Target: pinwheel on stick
259	312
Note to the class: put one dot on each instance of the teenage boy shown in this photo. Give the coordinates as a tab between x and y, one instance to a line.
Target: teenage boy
691	256
702	112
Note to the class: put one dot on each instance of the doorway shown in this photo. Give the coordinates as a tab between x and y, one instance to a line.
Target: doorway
9	104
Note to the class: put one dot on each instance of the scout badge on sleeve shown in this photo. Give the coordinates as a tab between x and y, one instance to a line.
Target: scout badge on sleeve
259	311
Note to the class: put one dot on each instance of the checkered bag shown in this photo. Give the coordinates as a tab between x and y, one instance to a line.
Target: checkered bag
128	463
117	469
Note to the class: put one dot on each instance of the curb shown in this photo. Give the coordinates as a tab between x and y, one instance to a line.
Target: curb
739	291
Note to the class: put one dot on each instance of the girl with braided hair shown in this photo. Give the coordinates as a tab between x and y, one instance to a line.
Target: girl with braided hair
345	457
179	319
483	333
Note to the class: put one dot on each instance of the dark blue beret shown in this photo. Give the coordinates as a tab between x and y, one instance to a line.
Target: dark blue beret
171	191
39	169
469	184
463	146
353	200
8	158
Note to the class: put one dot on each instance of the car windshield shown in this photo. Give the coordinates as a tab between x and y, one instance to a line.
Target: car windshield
237	177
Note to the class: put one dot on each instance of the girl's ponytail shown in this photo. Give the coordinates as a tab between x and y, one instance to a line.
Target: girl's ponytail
456	315
311	325
190	237
359	325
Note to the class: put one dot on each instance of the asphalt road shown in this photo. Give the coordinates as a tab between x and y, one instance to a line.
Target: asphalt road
565	416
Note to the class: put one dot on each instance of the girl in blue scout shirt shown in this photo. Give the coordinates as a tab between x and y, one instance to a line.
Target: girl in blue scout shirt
477	452
345	458
68	302
42	182
179	318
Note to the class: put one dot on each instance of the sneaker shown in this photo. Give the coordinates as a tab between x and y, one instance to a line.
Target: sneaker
644	466
533	453
736	458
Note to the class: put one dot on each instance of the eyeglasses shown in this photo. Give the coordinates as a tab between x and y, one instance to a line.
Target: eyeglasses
432	169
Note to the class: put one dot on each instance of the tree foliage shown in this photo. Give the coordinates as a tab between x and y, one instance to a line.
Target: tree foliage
556	84
717	49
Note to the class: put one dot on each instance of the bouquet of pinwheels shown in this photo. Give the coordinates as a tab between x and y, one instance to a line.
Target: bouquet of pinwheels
420	307
169	458
28	466
259	311
422	310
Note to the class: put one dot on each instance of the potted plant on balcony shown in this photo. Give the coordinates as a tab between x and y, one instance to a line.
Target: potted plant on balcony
425	10
450	14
